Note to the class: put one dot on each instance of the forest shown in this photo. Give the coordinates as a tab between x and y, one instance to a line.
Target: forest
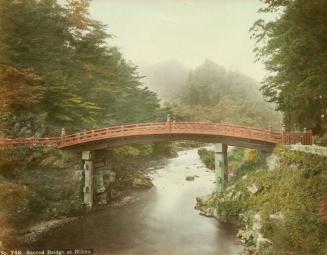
59	69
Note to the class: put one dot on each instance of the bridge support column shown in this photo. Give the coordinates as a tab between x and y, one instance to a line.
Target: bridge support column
221	166
88	157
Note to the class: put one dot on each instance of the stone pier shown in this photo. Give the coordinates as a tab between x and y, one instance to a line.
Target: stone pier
221	163
98	177
88	190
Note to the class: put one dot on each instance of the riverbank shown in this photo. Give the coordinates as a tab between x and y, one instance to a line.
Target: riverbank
280	207
36	198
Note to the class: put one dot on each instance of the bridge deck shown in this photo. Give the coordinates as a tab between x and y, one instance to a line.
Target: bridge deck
166	129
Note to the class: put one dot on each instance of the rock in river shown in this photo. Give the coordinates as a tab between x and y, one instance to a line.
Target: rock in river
143	182
189	178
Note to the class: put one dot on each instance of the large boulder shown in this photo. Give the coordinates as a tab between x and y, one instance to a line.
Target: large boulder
253	189
142	182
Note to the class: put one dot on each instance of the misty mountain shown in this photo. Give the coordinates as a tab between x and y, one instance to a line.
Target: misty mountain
165	78
209	83
212	93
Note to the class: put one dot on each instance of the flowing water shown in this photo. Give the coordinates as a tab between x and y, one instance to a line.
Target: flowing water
160	221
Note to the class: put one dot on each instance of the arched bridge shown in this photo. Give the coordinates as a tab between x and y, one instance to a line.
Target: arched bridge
91	143
106	138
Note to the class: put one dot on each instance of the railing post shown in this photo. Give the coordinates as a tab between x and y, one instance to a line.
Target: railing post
310	137
284	134
305	136
313	138
62	135
168	122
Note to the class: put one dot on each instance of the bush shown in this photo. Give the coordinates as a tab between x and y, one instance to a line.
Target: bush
236	154
229	211
207	157
15	203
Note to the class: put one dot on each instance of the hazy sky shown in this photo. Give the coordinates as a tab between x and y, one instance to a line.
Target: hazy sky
152	31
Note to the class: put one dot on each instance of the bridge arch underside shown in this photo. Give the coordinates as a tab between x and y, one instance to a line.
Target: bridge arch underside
138	139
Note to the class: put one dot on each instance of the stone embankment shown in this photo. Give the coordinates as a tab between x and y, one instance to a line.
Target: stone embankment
312	149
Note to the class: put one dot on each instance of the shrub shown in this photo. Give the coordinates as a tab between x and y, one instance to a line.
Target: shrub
207	157
15	203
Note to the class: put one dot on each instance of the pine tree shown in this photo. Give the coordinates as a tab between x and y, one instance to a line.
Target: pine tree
293	48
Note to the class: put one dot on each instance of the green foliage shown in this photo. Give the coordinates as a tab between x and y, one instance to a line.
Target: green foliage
16	160
58	70
292	47
246	167
15	203
208	83
236	154
240	161
162	148
213	94
84	82
207	157
294	189
229	211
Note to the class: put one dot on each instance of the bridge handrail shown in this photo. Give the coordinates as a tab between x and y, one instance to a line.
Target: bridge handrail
276	137
126	127
83	135
89	135
29	140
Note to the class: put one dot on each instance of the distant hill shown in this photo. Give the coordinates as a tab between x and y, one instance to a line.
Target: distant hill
212	93
166	78
209	92
209	83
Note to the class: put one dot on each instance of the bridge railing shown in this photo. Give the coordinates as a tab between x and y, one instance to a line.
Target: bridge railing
173	128
228	130
169	127
6	143
111	132
304	138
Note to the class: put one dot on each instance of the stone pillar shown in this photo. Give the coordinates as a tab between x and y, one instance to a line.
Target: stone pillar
88	157
220	166
62	134
100	167
168	122
225	149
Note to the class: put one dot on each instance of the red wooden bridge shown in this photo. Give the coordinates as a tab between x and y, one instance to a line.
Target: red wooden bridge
168	131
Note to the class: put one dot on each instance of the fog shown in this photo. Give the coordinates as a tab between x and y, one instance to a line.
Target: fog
149	32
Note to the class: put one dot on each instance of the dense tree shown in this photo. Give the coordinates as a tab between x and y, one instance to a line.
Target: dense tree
213	94
20	97
293	48
85	82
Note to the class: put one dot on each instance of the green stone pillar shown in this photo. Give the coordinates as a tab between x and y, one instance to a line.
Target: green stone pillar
88	190
220	166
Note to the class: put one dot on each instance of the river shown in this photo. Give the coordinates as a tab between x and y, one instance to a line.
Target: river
159	221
